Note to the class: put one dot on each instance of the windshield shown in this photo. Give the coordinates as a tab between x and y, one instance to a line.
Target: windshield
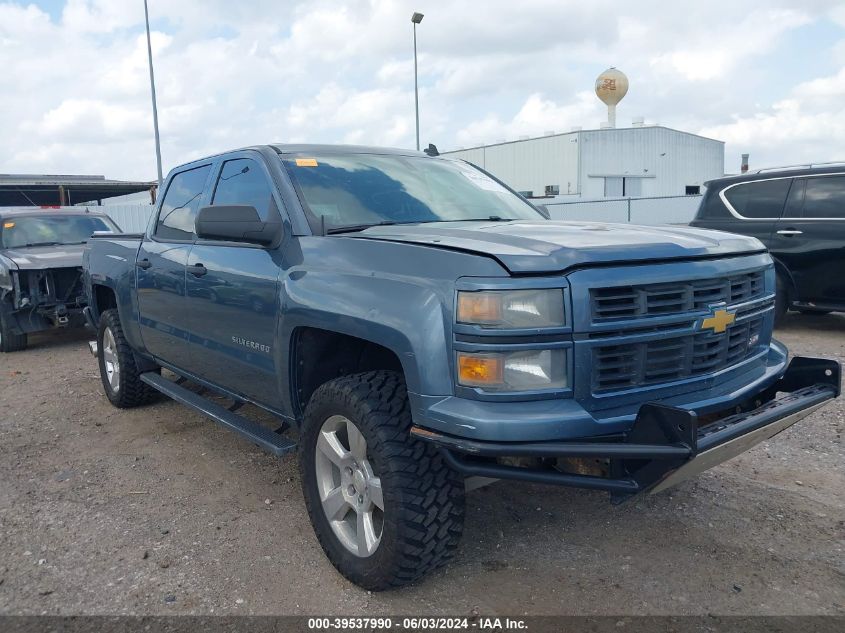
48	230
359	190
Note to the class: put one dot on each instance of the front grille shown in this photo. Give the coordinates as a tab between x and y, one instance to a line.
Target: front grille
622	302
635	364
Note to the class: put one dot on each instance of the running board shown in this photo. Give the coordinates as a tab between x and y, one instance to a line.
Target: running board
254	432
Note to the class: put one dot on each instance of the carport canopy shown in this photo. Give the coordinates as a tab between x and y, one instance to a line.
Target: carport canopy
53	190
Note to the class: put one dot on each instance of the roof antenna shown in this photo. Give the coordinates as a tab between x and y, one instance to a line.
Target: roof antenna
323	226
431	150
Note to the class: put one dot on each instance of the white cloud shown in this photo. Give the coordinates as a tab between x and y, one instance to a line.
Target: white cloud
76	92
99	16
536	116
367	117
755	34
809	126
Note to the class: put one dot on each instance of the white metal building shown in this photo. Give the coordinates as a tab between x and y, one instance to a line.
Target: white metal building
639	161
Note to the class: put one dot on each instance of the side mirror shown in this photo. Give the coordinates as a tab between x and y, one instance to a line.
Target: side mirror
236	223
544	211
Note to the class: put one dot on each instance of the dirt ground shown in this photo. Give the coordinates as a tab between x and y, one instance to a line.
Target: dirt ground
159	511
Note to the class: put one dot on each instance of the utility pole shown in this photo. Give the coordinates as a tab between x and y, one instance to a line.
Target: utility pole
416	18
153	91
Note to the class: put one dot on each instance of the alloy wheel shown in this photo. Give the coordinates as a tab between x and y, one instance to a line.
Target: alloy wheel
111	361
350	490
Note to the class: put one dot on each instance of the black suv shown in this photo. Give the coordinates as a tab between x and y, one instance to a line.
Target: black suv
799	214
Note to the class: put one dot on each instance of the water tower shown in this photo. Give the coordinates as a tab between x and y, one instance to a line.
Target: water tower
611	87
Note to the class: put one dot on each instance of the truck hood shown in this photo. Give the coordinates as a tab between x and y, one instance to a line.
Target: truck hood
43	257
547	246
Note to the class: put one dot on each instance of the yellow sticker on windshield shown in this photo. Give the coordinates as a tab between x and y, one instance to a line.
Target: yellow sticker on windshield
8	225
306	162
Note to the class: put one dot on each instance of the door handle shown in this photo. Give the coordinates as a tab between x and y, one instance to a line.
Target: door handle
143	264
790	232
197	270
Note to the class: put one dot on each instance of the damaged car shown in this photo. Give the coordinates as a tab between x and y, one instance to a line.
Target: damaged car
41	270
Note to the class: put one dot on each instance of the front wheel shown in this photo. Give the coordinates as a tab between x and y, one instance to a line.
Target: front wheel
118	369
385	507
10	342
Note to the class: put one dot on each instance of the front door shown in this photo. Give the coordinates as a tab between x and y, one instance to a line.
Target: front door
810	239
161	299
232	295
160	269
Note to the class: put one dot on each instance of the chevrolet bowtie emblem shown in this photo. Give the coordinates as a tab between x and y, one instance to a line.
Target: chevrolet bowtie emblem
719	321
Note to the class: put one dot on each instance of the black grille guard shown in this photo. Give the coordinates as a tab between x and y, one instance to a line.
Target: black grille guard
664	446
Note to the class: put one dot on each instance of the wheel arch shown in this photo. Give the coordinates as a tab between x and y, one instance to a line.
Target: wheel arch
103	298
783	272
319	355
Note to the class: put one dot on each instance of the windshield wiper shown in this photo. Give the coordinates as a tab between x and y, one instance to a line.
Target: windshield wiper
40	244
357	227
489	218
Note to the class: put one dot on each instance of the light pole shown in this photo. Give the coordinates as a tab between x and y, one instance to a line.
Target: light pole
153	91
416	18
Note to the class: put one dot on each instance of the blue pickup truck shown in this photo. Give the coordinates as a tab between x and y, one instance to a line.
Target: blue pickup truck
414	326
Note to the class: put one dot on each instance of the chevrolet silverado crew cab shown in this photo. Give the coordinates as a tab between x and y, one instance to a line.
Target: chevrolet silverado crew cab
411	323
41	270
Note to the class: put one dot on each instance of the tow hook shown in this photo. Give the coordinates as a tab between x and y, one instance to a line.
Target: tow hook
61	315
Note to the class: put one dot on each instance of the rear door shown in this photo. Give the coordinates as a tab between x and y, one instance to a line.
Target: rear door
232	292
810	239
755	206
160	267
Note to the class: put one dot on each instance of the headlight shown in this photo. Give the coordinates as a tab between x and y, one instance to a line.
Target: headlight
512	309
527	370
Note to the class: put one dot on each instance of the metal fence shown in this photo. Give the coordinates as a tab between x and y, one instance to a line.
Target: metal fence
131	218
658	210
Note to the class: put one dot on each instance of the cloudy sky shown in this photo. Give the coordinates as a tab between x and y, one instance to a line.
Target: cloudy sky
766	76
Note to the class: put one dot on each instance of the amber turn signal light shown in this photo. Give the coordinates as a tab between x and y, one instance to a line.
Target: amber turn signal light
480	371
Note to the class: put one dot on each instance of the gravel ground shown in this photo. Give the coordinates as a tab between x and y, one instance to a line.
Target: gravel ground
158	511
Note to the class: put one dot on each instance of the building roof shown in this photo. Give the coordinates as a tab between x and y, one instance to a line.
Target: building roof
571	132
63	190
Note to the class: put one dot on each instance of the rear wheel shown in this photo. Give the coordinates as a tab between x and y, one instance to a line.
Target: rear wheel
118	369
10	342
385	507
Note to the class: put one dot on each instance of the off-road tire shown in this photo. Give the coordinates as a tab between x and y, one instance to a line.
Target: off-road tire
781	299
423	497
10	342
132	391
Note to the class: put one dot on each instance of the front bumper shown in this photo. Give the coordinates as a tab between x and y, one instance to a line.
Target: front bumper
41	318
664	446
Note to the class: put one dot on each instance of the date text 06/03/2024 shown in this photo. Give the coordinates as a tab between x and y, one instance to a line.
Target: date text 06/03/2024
417	623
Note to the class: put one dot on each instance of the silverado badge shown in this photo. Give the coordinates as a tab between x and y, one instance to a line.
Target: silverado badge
718	321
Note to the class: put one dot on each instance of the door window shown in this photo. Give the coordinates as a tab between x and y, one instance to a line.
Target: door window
795	200
242	182
762	199
180	205
824	197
